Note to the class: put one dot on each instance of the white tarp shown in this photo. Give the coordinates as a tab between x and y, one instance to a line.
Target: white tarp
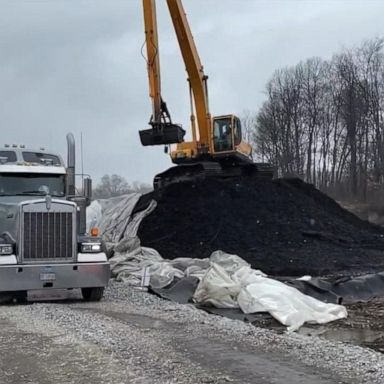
94	215
287	304
115	220
252	292
128	266
223	286
226	281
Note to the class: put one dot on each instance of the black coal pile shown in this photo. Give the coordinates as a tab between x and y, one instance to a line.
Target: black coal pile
283	227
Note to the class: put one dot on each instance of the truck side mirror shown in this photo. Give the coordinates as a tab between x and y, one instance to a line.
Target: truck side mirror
87	189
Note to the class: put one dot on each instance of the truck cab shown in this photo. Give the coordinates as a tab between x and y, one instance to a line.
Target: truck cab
44	243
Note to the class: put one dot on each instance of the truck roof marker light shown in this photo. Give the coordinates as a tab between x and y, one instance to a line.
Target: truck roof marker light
6	146
94	232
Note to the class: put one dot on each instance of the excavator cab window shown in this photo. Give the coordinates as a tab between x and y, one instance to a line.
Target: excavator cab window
223	134
237	130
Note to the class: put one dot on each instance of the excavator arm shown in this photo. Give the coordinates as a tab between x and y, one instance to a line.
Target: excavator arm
163	131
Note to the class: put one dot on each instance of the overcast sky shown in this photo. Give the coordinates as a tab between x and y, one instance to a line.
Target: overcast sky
76	66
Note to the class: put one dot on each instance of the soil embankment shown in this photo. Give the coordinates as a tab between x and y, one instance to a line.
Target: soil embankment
283	227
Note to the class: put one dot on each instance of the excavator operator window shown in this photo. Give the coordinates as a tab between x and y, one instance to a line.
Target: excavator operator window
237	131
222	134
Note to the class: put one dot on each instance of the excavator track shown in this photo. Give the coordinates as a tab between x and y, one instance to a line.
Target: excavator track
194	172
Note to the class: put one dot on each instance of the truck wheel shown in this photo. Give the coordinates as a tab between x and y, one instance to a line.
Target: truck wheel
6	298
21	297
92	294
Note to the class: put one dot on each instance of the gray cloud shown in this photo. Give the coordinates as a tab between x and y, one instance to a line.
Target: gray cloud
77	66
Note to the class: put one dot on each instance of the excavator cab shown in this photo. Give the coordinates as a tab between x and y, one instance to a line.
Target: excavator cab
226	133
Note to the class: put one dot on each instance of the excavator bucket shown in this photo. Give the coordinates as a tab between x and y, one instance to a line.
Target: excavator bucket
167	134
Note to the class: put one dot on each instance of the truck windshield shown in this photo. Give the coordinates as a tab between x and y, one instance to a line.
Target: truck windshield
14	184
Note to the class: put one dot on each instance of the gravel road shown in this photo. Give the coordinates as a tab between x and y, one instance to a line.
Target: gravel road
134	337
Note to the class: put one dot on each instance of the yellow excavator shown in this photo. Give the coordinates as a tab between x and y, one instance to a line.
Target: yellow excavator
216	148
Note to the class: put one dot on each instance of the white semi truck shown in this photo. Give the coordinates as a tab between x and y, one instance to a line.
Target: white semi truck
44	243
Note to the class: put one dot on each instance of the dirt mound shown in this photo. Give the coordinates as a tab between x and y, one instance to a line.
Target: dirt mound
283	226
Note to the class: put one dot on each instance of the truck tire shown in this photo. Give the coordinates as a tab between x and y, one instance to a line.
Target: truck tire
21	297
6	298
92	294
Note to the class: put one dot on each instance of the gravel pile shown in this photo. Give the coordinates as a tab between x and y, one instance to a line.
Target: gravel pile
154	341
283	227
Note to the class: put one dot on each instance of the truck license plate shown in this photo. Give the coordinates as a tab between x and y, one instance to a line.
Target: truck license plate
47	276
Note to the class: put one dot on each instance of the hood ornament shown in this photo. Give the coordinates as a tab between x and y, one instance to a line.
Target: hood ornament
48	202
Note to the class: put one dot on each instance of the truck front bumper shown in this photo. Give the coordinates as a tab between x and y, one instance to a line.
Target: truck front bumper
23	277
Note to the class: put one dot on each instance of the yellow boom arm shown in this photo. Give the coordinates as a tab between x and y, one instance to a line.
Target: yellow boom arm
153	62
194	68
163	131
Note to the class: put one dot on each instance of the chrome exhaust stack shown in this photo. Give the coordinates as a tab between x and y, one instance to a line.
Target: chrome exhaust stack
71	165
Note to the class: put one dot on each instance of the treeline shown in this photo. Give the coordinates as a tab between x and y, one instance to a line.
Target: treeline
116	185
323	121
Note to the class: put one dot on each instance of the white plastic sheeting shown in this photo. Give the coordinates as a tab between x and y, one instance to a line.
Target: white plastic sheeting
231	283
115	220
287	304
128	266
252	292
226	281
94	215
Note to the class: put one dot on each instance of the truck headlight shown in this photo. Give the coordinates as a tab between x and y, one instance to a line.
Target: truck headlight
6	249
90	247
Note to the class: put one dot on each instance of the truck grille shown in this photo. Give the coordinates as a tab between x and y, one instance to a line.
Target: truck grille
47	235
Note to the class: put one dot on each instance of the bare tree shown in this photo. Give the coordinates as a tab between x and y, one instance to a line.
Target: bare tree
324	120
116	185
111	186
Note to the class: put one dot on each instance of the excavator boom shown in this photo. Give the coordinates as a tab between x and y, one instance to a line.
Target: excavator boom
153	61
